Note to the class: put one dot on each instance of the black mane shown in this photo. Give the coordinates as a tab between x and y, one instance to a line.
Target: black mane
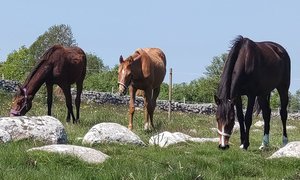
43	59
225	83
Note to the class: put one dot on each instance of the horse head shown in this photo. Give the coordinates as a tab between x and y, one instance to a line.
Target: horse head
21	104
127	71
225	116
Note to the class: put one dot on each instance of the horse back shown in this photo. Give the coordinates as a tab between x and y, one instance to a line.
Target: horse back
69	64
157	67
260	68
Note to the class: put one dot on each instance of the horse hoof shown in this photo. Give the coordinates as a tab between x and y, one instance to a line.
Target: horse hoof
242	146
284	141
147	127
263	147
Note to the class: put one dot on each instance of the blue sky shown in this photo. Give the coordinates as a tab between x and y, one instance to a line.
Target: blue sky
190	32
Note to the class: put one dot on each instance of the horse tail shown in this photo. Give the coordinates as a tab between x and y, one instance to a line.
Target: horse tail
224	88
42	60
84	64
257	109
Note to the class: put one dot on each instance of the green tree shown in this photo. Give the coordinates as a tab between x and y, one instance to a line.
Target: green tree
274	100
18	64
57	34
295	101
105	81
204	88
95	64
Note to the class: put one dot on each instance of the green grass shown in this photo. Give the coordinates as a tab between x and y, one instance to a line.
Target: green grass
182	161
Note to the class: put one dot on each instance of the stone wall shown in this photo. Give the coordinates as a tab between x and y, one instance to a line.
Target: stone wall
8	85
110	98
102	98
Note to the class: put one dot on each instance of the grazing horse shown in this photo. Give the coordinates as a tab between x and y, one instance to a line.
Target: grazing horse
144	70
59	65
253	69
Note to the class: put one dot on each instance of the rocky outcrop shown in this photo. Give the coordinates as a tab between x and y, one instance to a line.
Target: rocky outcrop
42	128
292	150
111	133
166	139
88	155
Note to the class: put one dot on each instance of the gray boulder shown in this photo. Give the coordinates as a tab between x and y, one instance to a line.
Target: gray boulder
43	128
86	154
292	149
111	133
166	139
4	136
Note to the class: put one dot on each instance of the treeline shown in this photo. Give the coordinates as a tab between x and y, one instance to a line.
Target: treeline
100	77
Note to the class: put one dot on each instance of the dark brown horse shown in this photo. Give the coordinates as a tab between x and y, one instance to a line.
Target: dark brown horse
253	69
61	66
144	70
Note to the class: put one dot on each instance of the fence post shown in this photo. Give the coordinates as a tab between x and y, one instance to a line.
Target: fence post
170	95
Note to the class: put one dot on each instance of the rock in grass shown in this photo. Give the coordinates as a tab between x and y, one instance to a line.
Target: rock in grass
86	154
4	136
111	133
42	128
166	138
292	149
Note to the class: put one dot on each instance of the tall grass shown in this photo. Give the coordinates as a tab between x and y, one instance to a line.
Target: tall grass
182	161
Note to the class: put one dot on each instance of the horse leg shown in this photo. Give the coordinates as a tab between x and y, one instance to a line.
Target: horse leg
153	105
241	119
132	92
147	108
248	120
49	97
264	103
284	99
68	96
78	99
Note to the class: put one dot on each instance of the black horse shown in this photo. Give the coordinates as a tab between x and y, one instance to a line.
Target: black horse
253	69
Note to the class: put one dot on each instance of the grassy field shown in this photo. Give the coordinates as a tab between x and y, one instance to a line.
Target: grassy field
183	161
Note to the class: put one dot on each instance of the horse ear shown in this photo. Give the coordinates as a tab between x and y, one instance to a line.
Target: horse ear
121	59
217	100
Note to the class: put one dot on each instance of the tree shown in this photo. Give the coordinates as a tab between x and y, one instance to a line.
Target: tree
57	34
104	81
95	64
274	100
295	101
18	64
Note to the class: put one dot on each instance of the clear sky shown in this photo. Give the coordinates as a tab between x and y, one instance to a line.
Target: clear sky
190	32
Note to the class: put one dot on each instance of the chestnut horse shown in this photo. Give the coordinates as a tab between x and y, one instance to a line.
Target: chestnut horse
144	70
59	65
253	69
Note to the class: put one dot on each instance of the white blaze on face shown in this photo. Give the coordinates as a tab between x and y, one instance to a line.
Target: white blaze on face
122	83
223	137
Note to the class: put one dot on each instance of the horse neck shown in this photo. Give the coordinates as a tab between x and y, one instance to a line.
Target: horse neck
36	81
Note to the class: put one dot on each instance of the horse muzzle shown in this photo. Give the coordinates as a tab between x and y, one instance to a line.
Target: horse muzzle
14	113
225	147
122	89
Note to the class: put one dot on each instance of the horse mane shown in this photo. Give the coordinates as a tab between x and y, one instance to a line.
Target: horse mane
225	83
42	60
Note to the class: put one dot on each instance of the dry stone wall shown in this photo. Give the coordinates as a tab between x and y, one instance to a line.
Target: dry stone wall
110	98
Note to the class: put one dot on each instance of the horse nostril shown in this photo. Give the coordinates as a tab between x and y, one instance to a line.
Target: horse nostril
223	147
